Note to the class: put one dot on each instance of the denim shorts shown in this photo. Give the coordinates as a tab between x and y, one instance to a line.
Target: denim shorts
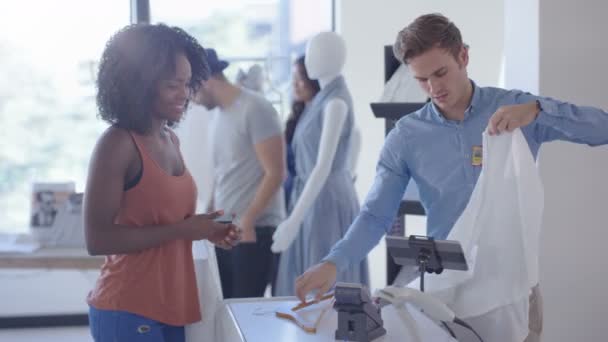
122	326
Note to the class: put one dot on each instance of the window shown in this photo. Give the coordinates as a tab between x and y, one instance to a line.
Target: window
270	33
48	60
48	63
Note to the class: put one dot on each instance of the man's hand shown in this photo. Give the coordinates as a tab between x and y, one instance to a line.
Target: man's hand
247	230
320	277
225	237
508	118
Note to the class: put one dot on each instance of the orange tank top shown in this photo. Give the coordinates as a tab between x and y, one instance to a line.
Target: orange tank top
158	283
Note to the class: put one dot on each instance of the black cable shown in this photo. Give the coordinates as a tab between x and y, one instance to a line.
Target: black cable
422	281
464	324
449	329
422	270
422	260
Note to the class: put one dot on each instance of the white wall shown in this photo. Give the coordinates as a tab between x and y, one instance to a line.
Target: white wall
521	48
573	54
481	24
557	48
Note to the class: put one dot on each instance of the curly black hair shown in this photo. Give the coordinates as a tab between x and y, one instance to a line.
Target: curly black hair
135	59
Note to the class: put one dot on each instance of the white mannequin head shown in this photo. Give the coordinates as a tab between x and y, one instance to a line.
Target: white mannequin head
325	56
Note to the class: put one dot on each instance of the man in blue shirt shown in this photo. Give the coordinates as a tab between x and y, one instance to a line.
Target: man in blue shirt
435	145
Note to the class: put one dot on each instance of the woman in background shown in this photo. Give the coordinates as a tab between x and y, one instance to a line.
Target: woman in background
140	199
304	90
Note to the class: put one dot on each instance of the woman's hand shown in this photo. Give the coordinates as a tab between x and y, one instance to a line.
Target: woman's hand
204	226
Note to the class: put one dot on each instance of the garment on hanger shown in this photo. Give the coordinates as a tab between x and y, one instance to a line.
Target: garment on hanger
402	87
252	79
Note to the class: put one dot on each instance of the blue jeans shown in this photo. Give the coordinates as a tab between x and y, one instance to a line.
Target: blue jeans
122	326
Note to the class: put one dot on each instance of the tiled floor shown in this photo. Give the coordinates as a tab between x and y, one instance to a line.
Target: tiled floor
67	334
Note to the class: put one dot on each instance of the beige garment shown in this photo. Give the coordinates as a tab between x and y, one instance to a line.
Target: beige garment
535	316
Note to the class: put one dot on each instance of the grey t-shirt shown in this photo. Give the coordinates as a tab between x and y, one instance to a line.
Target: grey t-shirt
238	173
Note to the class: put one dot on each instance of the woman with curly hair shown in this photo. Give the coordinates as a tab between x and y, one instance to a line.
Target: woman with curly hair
140	199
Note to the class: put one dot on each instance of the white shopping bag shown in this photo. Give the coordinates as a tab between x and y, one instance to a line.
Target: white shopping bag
499	232
209	295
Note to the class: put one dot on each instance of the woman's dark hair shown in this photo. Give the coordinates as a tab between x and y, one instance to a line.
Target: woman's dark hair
297	107
135	59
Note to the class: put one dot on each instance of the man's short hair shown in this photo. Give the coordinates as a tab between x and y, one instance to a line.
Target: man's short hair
424	33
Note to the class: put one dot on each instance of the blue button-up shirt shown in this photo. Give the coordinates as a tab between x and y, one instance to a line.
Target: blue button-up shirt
437	154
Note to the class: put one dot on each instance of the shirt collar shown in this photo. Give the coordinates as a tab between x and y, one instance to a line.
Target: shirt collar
475	100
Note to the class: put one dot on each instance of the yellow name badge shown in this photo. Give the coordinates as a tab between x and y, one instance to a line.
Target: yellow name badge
477	156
